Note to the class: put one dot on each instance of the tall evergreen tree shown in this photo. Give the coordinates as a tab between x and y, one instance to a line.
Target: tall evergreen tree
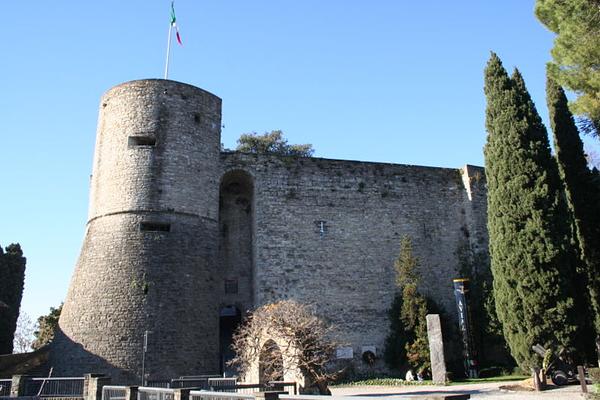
582	195
528	235
576	53
12	274
395	343
408	333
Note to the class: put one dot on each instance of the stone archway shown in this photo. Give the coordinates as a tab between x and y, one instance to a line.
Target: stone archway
289	365
270	363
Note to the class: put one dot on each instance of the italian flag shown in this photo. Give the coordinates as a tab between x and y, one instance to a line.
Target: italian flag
174	23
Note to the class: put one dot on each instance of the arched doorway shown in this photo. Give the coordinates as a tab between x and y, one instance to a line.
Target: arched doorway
229	319
270	363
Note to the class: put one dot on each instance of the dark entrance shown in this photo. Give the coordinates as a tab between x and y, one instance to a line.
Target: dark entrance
229	319
270	363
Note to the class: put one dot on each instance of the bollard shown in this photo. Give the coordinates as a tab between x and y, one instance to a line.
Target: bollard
17	388
181	394
535	372
269	395
543	379
93	384
131	392
582	381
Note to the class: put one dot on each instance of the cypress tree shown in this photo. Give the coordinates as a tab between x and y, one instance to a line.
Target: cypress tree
582	196
12	272
528	236
395	343
408	333
575	54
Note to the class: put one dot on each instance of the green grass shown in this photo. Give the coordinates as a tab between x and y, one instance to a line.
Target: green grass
594	392
402	382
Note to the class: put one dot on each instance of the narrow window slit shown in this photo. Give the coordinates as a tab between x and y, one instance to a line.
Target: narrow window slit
141	141
154	227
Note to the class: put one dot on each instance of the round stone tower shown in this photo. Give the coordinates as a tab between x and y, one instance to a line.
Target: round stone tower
148	262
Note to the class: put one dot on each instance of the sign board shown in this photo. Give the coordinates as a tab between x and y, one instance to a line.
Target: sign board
465	323
344	353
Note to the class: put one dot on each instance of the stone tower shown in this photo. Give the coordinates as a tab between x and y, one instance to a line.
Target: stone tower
148	260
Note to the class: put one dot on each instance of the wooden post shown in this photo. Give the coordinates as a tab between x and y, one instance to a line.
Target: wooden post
17	388
269	395
181	394
582	381
598	348
543	379
92	386
131	392
535	372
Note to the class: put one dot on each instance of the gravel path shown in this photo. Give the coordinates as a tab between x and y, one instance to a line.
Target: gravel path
488	391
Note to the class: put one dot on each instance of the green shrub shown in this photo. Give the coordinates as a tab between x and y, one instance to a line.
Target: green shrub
594	374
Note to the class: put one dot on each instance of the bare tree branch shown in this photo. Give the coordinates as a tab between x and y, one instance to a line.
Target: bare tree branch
288	331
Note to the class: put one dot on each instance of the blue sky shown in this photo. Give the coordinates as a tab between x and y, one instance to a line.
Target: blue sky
390	81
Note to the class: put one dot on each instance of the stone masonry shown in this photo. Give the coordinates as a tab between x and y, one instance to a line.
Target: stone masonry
182	239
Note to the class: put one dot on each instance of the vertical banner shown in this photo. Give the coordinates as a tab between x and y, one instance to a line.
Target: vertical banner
465	323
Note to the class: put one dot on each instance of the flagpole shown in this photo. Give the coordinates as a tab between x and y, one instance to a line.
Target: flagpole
168	51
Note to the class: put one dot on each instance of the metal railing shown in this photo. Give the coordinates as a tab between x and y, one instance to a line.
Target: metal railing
201	383
283	386
206	395
114	392
247	388
154	393
191	381
223	389
5	385
222	384
54	387
159	383
250	388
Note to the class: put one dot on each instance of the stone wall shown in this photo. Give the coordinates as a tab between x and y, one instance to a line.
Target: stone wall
475	223
328	232
174	225
148	261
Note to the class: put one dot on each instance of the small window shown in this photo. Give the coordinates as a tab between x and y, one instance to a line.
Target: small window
322	227
231	286
135	141
154	227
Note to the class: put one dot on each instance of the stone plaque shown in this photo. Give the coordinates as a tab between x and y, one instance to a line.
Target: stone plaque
344	353
436	349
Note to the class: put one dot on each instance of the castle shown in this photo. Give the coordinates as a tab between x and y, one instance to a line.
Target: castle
182	239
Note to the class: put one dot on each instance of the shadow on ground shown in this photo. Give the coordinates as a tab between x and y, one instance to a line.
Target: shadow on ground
420	392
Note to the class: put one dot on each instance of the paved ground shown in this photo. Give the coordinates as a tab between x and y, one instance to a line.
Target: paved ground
488	391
